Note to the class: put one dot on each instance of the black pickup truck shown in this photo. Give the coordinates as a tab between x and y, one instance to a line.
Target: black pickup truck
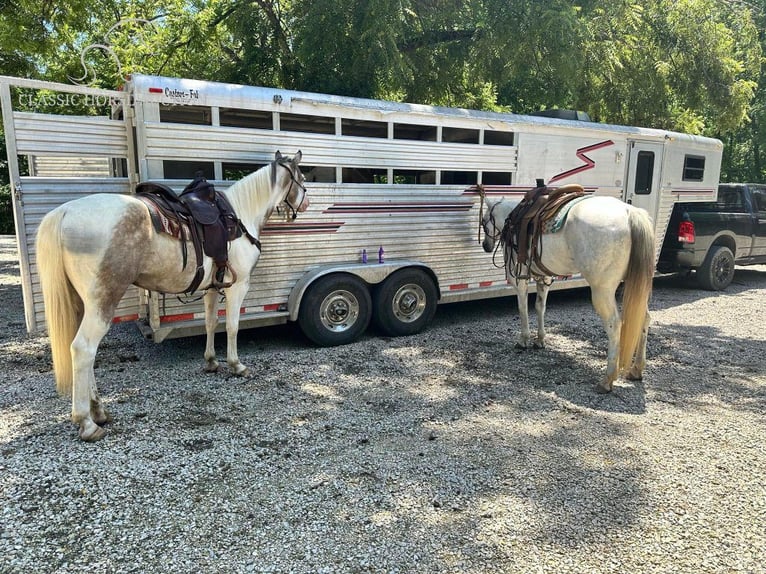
710	238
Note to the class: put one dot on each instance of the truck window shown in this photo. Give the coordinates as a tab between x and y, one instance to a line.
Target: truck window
759	200
644	172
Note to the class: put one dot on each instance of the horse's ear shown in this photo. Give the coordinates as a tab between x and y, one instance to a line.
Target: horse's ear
298	157
278	155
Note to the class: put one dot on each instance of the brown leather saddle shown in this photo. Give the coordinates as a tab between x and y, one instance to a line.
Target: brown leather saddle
523	230
201	215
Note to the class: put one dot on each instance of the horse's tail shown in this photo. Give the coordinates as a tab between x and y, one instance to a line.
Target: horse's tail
63	306
638	285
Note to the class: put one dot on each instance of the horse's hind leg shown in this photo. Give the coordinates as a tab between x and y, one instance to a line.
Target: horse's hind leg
606	306
87	411
211	322
636	372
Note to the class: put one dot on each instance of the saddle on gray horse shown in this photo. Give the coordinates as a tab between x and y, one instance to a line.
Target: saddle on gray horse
524	227
202	215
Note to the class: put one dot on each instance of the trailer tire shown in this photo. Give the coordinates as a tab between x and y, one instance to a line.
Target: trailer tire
335	310
717	270
405	303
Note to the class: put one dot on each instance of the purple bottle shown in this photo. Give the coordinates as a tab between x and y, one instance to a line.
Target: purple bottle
380	254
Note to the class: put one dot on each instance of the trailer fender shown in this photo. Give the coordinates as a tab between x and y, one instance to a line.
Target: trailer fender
370	273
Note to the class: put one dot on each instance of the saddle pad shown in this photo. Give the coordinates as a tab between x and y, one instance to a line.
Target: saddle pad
555	224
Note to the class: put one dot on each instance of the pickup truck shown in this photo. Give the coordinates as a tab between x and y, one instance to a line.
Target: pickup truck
711	238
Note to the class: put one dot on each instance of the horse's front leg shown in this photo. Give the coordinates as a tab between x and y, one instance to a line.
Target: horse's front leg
87	411
235	295
541	302
606	307
522	295
211	322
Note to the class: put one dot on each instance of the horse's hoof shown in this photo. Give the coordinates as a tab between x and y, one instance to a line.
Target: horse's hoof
240	371
604	388
91	432
102	417
538	345
634	377
520	345
212	367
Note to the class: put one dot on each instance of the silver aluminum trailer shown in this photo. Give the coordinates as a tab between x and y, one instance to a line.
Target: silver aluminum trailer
401	177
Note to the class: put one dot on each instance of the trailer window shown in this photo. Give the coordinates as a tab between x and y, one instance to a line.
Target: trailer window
306	123
414	176
496	178
492	137
197	115
365	175
234	171
172	169
414	132
364	128
319	174
460	135
694	168
644	172
254	119
459	178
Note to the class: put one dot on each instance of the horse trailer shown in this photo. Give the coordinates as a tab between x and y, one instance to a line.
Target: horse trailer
395	189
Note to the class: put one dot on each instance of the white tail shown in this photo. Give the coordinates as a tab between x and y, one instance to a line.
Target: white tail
63	306
638	285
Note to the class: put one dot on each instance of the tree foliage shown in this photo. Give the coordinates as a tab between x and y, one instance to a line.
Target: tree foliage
688	65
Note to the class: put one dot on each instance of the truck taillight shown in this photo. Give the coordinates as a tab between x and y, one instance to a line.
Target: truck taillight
686	231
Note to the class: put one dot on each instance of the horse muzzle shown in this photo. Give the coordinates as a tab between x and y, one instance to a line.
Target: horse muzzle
304	204
488	244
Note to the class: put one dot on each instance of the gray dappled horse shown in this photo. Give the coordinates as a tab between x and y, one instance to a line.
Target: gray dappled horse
606	241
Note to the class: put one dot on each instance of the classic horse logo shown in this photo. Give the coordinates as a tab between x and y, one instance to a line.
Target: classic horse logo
89	72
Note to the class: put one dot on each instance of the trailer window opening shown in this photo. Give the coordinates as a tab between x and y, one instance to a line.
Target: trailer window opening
414	132
239	118
496	178
644	173
694	168
414	176
173	169
318	174
364	128
460	135
493	137
234	171
306	123
364	175
459	178
196	115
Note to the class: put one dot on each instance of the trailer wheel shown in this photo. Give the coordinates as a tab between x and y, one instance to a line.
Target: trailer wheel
404	303
717	270
335	310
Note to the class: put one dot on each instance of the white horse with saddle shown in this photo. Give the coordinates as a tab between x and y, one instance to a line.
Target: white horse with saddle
605	240
90	250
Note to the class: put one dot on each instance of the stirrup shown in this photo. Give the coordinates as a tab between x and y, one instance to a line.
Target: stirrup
220	283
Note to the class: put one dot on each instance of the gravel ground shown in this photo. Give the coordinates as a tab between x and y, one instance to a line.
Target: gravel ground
444	452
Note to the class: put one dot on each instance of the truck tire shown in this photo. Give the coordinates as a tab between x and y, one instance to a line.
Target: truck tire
717	270
335	310
404	303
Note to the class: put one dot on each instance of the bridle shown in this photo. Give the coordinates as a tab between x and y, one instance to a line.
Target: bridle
293	181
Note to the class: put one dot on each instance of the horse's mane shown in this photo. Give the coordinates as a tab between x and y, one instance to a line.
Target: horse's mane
251	196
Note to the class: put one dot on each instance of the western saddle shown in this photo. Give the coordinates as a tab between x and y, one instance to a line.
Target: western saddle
523	230
202	215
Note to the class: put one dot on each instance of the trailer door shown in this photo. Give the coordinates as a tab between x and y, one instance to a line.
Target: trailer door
642	188
71	150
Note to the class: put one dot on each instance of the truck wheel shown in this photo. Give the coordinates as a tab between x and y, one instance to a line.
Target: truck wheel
335	310
717	271
404	303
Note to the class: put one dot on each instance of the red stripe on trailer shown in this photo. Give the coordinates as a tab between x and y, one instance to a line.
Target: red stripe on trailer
485	283
125	318
176	318
155	90
272	307
458	286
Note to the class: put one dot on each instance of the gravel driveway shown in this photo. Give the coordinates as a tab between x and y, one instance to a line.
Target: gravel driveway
449	451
